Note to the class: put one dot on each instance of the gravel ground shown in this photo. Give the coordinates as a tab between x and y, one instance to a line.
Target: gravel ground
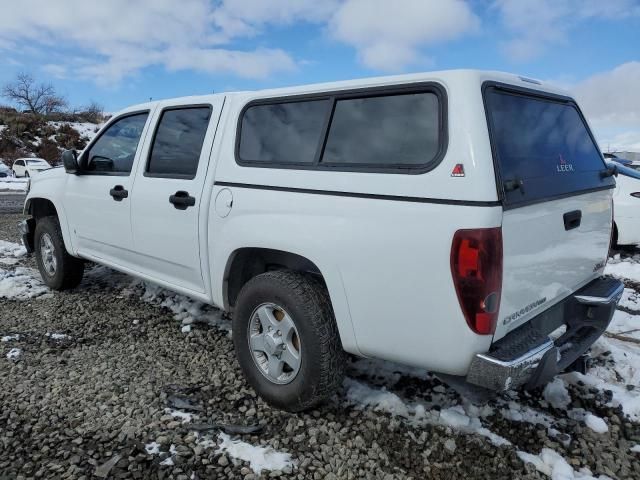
11	203
88	403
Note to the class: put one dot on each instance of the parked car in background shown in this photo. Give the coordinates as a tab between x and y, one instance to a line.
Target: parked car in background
5	171
27	167
635	164
626	202
452	221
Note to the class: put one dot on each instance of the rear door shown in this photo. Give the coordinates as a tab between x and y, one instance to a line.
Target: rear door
557	202
168	198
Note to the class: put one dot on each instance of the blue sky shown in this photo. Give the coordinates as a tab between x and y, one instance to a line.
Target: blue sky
120	52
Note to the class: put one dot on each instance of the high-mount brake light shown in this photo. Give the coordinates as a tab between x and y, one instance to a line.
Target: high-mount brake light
476	267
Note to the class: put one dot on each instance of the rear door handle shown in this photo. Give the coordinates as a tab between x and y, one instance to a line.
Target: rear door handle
118	193
572	219
182	200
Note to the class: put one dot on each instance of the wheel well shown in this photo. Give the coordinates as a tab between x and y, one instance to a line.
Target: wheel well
41	207
37	208
247	263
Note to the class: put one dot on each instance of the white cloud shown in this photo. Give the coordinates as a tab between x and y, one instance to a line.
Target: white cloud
537	26
611	101
118	38
110	40
246	17
613	96
389	35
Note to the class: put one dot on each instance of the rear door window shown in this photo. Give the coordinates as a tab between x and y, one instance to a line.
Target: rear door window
542	147
177	143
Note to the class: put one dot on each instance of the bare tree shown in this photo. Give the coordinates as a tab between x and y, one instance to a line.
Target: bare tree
54	104
93	112
40	98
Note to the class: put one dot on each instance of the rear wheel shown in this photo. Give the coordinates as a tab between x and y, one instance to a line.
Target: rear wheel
59	270
287	341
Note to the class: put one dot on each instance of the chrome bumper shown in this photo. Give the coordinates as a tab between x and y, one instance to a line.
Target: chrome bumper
529	357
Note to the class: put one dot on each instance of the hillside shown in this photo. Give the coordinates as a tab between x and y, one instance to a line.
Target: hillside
29	135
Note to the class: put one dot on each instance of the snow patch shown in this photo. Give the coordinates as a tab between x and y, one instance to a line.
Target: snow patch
462	418
186	310
14	354
57	336
556	394
630	299
8	338
13	184
20	284
10	249
616	376
592	421
623	269
184	416
521	413
259	458
625	324
555	466
152	448
595	423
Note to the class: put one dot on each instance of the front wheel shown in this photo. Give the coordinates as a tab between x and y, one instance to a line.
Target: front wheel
26	174
286	340
59	270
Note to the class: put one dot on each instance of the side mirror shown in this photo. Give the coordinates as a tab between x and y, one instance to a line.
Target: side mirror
70	161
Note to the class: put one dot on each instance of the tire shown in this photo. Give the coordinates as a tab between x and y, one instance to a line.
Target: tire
26	174
321	357
49	249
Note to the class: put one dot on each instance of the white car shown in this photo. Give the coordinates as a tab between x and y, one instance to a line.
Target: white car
626	200
28	167
451	221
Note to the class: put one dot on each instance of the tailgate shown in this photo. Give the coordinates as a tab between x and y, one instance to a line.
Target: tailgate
557	200
546	260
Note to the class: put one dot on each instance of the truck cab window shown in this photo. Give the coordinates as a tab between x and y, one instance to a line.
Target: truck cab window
115	149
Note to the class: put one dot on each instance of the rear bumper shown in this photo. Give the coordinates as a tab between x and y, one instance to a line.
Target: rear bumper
528	357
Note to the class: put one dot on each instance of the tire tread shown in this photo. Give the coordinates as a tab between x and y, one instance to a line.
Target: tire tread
315	302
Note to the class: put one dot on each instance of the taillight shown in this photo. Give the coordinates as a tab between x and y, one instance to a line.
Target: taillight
476	266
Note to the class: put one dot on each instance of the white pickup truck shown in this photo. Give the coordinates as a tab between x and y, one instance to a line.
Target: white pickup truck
456	221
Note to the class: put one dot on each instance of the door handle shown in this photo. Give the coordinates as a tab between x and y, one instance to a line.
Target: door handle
572	219
182	200
118	193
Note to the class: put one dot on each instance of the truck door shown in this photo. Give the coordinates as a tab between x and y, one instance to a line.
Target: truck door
166	207
98	201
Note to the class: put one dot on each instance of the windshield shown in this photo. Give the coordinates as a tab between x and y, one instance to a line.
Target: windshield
542	146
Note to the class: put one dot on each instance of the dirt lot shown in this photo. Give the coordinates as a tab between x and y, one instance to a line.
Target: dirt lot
97	384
